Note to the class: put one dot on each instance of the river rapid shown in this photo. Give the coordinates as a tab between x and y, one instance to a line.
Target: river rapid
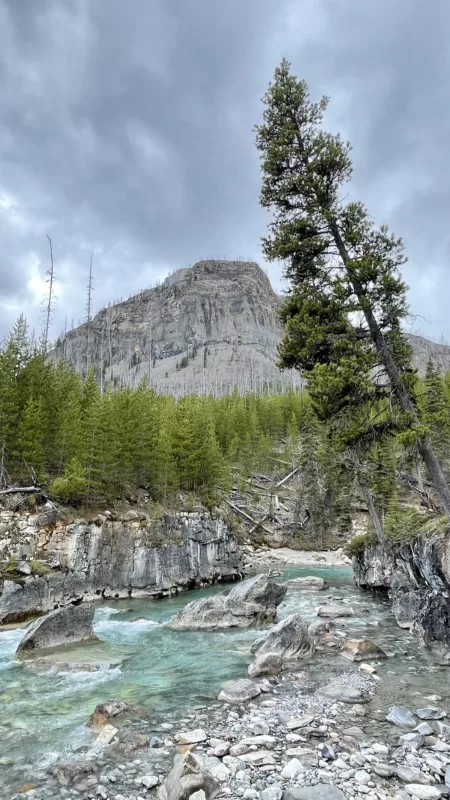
166	673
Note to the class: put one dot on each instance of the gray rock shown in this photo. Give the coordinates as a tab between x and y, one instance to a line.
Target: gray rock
404	719
322	791
328	753
384	770
335	611
24	568
288	639
447	777
191	737
150	781
265	665
271	793
156	741
430	713
113	558
300	722
424	729
341	693
412	741
251	602
214	766
186	777
423	792
239	691
308	582
63	626
104	712
361	649
293	768
410	775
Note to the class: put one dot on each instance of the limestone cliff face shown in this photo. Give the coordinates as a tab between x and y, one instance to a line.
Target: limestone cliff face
207	328
129	556
417	576
210	327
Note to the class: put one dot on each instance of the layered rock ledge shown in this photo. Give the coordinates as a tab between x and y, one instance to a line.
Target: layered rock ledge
111	556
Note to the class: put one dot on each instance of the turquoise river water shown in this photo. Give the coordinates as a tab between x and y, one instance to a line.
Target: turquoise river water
43	714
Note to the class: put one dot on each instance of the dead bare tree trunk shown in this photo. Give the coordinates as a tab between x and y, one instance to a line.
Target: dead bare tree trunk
50	279
89	311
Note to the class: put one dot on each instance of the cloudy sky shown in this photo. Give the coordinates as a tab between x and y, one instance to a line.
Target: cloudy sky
127	126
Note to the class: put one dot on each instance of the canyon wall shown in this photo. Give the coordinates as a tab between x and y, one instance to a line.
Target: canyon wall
48	562
417	576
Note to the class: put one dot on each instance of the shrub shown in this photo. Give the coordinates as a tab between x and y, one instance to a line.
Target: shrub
72	486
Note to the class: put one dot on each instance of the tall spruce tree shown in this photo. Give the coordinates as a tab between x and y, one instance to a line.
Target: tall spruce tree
348	299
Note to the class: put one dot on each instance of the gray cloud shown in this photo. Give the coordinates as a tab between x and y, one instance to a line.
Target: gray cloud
129	126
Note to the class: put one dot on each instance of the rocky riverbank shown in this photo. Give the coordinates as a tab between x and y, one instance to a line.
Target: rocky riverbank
294	741
48	562
417	576
311	723
256	557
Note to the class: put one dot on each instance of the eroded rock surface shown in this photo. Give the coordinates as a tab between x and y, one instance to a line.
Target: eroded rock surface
130	556
289	639
63	626
251	602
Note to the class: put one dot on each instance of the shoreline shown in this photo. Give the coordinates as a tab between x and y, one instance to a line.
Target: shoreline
285	556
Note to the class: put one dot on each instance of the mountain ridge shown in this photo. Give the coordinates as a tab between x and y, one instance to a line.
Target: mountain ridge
208	328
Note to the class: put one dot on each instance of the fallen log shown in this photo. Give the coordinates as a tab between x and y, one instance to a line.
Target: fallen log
21	490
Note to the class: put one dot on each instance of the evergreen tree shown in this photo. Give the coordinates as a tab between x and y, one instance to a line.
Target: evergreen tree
436	414
348	300
31	440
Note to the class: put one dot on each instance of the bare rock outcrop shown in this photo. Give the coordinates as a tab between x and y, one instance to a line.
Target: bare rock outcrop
251	602
128	556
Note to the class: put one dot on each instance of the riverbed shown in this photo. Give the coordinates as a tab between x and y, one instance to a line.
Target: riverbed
165	672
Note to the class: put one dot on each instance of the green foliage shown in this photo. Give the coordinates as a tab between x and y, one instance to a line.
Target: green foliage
39	568
358	544
92	447
404	524
347	299
72	485
12	564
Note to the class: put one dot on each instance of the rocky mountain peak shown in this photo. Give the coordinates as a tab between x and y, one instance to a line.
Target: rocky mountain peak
207	328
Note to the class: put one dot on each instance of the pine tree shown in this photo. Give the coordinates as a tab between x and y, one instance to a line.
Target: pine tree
30	439
348	301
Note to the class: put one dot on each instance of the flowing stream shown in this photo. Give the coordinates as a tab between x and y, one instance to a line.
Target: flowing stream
43	714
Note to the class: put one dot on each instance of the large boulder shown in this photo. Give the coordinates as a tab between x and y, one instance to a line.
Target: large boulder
251	602
64	626
289	639
187	776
